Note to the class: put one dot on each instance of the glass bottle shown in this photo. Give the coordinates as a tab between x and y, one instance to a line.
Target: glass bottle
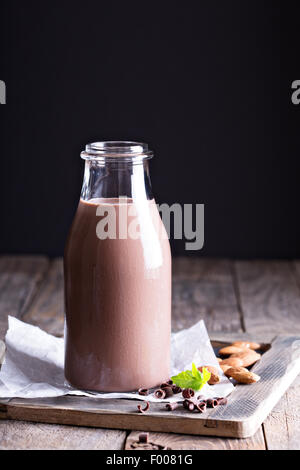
117	268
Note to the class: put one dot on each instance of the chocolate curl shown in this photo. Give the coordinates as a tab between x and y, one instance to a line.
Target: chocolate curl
141	410
143	437
188	393
222	401
189	405
166	384
143	391
194	403
172	406
160	393
168	391
176	389
201	406
211	403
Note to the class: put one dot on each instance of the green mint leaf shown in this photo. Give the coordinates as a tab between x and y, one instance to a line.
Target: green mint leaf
192	378
195	372
206	375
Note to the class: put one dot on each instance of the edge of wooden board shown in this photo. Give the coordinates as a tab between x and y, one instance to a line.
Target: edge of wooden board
247	408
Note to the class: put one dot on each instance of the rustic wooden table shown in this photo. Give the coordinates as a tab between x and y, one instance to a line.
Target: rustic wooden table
237	299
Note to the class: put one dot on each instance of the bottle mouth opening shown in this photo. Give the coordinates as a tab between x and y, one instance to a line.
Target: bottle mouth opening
125	151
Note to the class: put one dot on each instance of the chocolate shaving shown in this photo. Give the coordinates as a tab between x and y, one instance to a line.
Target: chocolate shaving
188	393
160	393
190	403
201	406
166	384
143	391
168	391
222	401
145	445
176	389
211	403
143	437
193	403
143	410
172	406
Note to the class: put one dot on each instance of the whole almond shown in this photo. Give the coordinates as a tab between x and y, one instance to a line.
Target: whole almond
214	374
248	357
246	344
230	350
225	367
232	362
242	375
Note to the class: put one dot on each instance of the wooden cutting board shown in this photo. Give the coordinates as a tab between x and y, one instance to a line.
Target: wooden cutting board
247	407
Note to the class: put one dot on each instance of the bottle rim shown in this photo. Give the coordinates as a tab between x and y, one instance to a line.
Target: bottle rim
117	150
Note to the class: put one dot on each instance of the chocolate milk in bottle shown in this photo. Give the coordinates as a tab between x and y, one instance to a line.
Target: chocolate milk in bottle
117	268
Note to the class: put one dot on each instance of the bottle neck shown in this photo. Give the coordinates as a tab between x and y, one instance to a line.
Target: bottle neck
116	180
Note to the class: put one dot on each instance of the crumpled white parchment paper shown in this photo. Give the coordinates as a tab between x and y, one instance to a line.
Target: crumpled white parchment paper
34	364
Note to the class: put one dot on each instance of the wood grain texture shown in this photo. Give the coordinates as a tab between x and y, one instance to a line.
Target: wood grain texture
31	288
47	308
296	271
186	442
21	435
270	296
19	280
203	289
116	414
282	426
248	405
266	299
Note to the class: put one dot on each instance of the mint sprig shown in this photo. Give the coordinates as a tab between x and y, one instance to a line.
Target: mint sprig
192	378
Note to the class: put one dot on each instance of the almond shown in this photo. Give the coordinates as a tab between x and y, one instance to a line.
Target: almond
246	344
247	356
231	350
242	375
232	362
225	367
214	374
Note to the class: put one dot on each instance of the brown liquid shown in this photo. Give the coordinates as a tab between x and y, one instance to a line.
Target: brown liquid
118	301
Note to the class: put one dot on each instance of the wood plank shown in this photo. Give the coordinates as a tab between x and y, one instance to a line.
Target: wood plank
47	309
207	277
282	427
21	435
19	280
115	414
296	270
278	368
186	442
203	289
270	297
197	269
247	408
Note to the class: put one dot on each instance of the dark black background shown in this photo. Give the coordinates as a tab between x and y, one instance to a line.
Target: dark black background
206	84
